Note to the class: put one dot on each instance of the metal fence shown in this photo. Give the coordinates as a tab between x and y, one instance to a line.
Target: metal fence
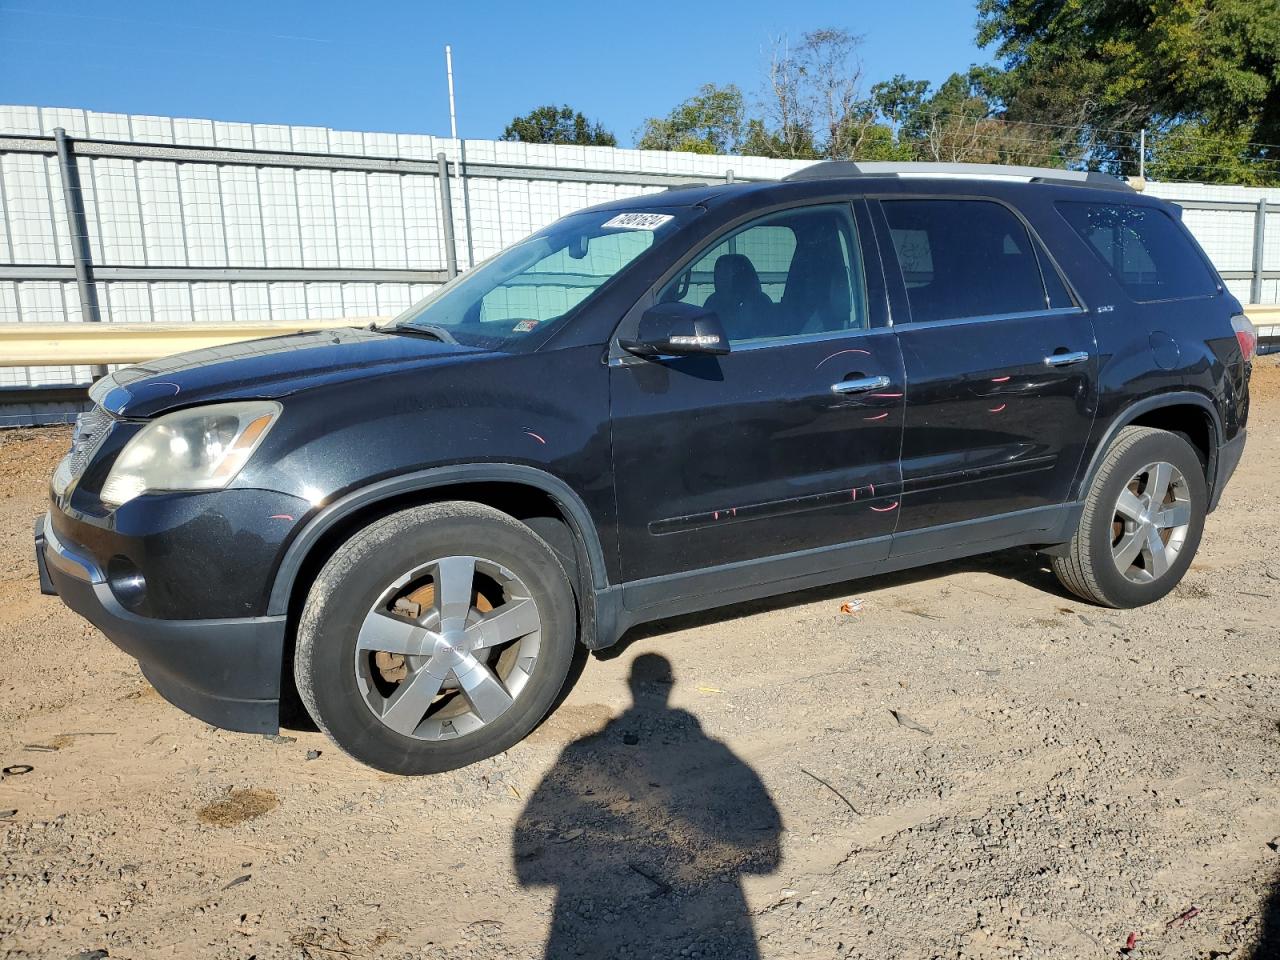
156	219
149	219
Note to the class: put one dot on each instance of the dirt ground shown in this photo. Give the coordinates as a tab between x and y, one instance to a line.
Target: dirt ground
974	765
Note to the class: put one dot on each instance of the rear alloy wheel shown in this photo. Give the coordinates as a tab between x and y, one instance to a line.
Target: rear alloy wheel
435	637
1142	521
1152	517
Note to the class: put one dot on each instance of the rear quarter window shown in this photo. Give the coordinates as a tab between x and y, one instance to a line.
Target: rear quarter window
1143	247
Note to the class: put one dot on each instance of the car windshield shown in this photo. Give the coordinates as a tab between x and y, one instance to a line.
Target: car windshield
535	284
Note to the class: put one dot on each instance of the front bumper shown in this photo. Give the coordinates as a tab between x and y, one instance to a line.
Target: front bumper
225	672
1229	455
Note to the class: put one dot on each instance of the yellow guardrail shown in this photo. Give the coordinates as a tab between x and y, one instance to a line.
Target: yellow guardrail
55	344
1266	315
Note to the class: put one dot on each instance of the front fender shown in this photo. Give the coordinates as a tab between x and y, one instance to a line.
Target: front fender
422	481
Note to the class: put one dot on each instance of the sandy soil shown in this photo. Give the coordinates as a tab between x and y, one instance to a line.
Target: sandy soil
974	765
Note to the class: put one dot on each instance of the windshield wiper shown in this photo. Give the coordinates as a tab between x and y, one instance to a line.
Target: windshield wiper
434	331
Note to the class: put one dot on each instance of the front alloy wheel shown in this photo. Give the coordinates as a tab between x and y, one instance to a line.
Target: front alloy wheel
435	637
436	659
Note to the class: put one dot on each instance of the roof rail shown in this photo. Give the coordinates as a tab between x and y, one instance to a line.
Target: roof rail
829	169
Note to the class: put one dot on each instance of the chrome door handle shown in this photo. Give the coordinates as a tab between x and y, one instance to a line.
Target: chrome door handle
861	385
1065	359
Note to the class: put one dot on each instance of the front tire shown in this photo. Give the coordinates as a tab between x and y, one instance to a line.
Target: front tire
1142	522
435	637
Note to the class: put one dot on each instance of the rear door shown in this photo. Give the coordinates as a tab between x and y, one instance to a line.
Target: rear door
1001	369
789	442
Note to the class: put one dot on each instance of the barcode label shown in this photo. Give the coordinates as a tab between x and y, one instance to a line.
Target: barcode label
637	221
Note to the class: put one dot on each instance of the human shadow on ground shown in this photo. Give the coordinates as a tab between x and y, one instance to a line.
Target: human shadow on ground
1268	946
645	830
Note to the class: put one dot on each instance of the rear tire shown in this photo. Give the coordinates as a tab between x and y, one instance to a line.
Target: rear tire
1142	522
435	637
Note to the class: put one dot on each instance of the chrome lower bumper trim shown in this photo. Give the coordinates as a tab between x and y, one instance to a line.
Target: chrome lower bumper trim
73	564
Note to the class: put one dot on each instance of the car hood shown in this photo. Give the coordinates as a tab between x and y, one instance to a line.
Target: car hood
265	369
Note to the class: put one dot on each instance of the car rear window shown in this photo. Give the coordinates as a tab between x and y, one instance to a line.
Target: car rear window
1144	248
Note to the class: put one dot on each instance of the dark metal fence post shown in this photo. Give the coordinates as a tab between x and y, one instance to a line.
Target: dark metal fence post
78	228
466	201
446	212
1259	251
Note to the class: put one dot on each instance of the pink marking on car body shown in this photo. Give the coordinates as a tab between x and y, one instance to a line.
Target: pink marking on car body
998	409
1001	379
853	494
840	352
892	506
873	488
888	396
530	433
280	516
878	416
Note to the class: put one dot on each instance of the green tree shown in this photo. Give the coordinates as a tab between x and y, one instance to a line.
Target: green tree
711	121
1190	151
795	143
1207	68
552	124
898	99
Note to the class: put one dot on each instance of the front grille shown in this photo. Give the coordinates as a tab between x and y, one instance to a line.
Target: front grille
91	429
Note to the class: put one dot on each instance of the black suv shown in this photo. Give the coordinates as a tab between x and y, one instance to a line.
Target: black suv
658	405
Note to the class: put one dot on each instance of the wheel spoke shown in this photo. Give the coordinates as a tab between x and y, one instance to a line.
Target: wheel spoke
1174	515
381	631
406	707
513	619
1129	506
1158	482
455	577
484	691
1127	549
1154	553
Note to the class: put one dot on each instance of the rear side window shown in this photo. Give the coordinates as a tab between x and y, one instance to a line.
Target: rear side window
1143	248
967	258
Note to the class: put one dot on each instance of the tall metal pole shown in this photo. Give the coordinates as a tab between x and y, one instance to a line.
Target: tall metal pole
1142	153
462	157
78	228
1259	250
448	66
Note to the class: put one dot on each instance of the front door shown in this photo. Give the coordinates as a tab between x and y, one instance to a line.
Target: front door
1001	370
789	442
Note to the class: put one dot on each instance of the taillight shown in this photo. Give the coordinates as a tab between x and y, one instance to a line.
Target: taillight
1246	334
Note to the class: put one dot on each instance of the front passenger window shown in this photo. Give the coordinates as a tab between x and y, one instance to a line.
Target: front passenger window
791	274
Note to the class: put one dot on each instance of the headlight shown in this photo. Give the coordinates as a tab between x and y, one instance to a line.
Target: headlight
198	449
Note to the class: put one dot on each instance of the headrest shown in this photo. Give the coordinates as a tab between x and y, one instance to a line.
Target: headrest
736	275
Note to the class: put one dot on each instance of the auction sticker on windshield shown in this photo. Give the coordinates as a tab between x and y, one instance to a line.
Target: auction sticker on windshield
637	221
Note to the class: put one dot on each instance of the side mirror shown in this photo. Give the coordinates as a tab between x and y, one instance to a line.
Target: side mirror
677	329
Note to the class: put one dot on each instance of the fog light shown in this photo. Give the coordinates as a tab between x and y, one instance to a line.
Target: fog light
127	582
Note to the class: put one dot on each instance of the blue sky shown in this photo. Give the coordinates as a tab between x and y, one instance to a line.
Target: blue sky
380	65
